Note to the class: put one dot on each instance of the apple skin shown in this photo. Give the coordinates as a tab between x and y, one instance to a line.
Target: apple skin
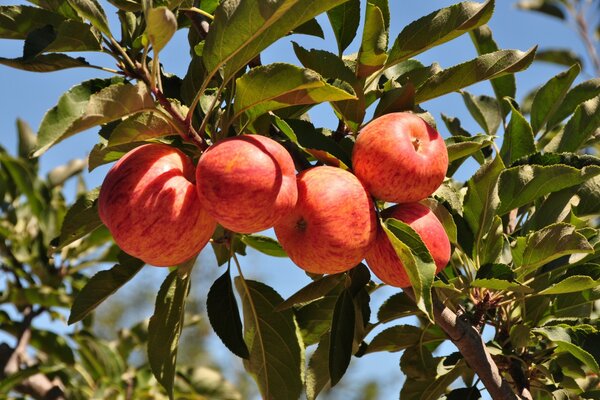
382	258
400	158
247	183
333	224
149	204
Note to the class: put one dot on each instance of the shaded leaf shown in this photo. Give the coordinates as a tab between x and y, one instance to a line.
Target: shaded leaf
522	184
397	306
92	10
313	291
518	137
164	328
504	86
224	315
325	63
485	110
317	374
372	53
542	6
45	62
310	27
17	21
564	57
560	337
416	259
583	124
438	27
578	94
81	219
276	351
102	285
547	244
344	21
401	337
550	96
341	337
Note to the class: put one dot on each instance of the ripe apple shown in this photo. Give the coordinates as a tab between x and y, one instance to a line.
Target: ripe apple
333	224
400	158
148	201
247	183
382	258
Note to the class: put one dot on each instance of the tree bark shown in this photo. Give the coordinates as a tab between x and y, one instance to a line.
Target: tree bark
470	343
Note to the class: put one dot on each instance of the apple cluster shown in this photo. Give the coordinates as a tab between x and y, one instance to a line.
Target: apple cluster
163	210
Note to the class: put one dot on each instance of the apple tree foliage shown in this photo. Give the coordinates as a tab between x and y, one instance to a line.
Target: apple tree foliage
524	226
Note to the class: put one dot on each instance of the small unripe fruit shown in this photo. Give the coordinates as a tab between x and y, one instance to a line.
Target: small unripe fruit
382	258
149	204
247	183
333	224
400	158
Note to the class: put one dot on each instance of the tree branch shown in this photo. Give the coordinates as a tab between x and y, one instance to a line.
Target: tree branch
471	345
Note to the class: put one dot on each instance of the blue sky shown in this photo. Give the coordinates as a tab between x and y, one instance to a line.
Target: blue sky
29	96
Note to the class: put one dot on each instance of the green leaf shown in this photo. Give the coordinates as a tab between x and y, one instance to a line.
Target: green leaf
224	315
81	219
582	125
401	337
325	63
280	85
242	29
522	184
498	277
463	146
102	154
314	140
317	375
584	91
17	21
416	259
27	138
315	317
485	110
265	245
313	291
542	6
574	283
518	137
128	5
396	100
438	27
397	306
165	328
373	49
45	62
481	200
341	336
547	244
482	68
140	127
444	216
61	7
344	20
102	285
276	350
37	40
504	86
550	96
310	27
564	57
75	36
560	337
92	11
90	104
23	178
161	25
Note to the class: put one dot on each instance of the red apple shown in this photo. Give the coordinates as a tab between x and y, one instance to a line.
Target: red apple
247	183
148	201
400	158
333	224
382	258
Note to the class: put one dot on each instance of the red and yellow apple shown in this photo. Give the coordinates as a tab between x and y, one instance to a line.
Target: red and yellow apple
333	224
247	183
400	158
382	258
148	201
